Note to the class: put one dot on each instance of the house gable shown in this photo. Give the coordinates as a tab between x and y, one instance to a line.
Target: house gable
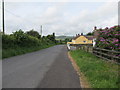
82	40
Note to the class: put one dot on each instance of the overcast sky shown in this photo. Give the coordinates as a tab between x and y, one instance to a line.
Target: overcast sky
63	17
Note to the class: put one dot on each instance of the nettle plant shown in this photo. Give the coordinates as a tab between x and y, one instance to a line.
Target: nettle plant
109	38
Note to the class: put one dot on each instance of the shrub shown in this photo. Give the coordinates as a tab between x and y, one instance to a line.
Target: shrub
33	33
8	41
21	39
24	40
109	38
20	43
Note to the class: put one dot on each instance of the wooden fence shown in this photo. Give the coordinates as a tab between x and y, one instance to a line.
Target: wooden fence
107	54
87	48
110	55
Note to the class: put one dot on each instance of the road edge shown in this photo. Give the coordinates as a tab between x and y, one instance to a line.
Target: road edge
83	81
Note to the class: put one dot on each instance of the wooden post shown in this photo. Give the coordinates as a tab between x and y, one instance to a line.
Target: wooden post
3	23
88	48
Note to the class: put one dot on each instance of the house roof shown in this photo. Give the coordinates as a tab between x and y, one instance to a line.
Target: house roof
88	37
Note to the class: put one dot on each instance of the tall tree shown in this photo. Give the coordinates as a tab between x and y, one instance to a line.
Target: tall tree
33	33
90	33
52	37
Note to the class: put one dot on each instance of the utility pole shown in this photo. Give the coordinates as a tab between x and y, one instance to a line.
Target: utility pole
3	23
41	31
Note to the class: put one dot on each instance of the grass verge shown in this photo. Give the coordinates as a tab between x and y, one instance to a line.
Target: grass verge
21	50
99	73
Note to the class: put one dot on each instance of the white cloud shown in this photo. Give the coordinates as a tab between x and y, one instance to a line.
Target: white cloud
56	18
62	0
104	16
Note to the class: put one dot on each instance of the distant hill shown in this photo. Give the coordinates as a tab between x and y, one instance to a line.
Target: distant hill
63	37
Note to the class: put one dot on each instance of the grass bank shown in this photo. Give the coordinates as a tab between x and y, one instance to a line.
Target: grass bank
21	50
99	73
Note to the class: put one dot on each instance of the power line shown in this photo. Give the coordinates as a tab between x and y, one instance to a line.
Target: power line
12	13
17	16
4	9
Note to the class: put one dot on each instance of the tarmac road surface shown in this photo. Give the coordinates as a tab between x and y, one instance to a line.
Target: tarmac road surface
47	68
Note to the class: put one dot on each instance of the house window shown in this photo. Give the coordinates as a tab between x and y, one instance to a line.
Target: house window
84	41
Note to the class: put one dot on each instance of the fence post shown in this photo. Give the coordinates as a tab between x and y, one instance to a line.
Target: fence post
88	48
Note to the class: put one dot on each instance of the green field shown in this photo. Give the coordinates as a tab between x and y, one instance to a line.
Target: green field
63	37
99	73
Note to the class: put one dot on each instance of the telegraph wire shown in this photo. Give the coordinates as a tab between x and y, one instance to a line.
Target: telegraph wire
20	18
17	16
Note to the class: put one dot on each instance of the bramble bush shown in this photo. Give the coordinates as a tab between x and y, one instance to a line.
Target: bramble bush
24	40
21	39
20	42
109	38
33	33
8	41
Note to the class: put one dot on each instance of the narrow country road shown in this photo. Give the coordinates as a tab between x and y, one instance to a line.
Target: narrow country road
47	68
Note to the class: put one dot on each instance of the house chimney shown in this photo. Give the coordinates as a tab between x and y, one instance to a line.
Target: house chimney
96	33
106	28
95	28
81	33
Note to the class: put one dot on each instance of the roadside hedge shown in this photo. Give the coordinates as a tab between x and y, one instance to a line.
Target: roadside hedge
20	42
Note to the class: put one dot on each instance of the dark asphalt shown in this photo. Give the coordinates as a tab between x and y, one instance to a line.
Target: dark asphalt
47	68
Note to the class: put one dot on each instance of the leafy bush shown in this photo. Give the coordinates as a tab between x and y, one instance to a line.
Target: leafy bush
20	42
109	38
33	33
19	38
8	41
